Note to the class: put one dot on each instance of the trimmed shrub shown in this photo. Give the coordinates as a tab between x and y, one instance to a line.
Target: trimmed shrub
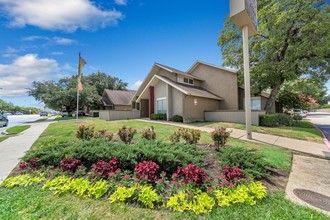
126	134
85	133
275	120
251	162
103	134
168	156
297	117
149	133
159	116
177	118
190	136
175	137
220	137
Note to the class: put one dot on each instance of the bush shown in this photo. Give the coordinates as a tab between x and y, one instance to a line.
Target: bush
149	133
126	134
232	173
251	162
220	137
159	116
191	136
175	137
177	118
168	156
275	120
103	134
85	133
297	117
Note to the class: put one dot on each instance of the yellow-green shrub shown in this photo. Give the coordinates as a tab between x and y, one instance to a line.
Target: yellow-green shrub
248	194
200	203
122	193
98	189
59	185
22	180
147	196
79	186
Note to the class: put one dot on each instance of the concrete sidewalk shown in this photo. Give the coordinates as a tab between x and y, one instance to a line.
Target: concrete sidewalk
306	147
14	148
312	174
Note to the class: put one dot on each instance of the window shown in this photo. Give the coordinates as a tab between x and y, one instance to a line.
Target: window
161	105
188	81
255	103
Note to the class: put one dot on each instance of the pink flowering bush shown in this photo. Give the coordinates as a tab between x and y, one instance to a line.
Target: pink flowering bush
192	174
146	170
69	164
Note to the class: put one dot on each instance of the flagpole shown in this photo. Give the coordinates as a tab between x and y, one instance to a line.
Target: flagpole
78	90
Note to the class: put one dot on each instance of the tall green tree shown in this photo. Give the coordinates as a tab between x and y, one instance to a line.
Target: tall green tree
293	40
62	95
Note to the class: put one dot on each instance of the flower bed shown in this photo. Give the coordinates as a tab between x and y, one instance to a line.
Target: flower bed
188	189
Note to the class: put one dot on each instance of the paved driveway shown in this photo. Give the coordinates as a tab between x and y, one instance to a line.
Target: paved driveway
322	121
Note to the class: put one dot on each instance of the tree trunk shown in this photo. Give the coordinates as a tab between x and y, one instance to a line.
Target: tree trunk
270	100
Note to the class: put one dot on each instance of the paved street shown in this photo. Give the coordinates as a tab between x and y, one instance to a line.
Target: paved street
15	120
322	121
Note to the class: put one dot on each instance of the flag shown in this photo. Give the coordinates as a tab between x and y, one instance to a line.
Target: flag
82	62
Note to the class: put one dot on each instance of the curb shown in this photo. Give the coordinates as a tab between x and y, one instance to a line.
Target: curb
325	139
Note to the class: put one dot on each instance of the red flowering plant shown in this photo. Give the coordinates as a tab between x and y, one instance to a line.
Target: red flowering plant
23	165
69	164
191	174
146	170
106	169
34	163
233	176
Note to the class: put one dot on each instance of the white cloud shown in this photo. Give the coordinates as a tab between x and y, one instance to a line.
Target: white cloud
136	85
65	15
121	2
53	40
63	41
20	74
10	52
57	53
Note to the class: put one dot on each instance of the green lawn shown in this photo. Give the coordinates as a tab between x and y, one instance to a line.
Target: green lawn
60	118
2	138
34	203
42	119
303	130
17	129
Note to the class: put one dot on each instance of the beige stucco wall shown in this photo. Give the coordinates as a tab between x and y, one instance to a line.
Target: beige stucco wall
219	82
167	74
159	92
110	115
177	102
192	112
123	107
233	116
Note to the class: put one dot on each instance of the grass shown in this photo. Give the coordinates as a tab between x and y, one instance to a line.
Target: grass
277	157
34	203
60	118
2	138
303	130
17	129
42	119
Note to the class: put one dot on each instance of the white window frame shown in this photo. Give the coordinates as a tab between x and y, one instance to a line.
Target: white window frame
164	111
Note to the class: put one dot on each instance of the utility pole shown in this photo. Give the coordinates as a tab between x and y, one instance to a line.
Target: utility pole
244	15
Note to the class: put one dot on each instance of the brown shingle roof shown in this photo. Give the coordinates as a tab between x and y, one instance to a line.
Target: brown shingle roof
120	97
190	90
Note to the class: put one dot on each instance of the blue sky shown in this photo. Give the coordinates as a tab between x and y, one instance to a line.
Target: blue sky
41	39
